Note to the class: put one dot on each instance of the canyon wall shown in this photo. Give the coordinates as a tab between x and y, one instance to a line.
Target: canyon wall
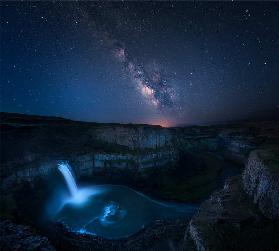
244	214
32	145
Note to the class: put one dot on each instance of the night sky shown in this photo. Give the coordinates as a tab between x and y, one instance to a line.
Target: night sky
167	63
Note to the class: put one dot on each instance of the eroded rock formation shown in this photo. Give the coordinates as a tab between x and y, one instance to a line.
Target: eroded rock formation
180	164
244	214
261	180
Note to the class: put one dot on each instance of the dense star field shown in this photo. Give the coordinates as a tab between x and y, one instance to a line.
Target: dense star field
167	63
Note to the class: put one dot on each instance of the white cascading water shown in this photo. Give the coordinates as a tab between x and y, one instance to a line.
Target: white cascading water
65	169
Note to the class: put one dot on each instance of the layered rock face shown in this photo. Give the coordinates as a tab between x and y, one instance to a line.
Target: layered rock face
232	219
244	215
261	181
32	145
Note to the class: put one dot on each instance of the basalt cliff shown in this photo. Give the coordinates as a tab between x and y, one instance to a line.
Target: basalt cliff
184	164
244	214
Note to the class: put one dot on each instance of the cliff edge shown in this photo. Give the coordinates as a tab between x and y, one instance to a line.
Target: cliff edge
244	214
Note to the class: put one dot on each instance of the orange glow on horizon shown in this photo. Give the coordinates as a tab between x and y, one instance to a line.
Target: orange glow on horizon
162	123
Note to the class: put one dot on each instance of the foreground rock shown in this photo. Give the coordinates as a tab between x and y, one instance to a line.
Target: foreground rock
160	235
18	238
229	220
261	181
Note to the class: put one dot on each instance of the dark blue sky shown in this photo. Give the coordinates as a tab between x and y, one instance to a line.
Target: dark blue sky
165	63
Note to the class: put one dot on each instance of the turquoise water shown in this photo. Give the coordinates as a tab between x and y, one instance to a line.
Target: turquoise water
115	212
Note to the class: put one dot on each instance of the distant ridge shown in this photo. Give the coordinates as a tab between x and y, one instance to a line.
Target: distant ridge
8	117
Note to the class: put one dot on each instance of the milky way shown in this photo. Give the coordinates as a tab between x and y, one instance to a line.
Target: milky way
169	62
149	80
150	83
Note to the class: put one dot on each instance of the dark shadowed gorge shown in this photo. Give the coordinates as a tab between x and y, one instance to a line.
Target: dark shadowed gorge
230	173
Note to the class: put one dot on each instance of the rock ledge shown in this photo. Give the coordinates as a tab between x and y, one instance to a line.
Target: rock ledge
261	181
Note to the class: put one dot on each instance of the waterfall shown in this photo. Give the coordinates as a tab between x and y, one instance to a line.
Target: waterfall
65	169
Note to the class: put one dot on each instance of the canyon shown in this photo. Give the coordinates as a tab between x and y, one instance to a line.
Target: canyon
191	164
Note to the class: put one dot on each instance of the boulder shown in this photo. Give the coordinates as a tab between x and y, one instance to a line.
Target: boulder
261	180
